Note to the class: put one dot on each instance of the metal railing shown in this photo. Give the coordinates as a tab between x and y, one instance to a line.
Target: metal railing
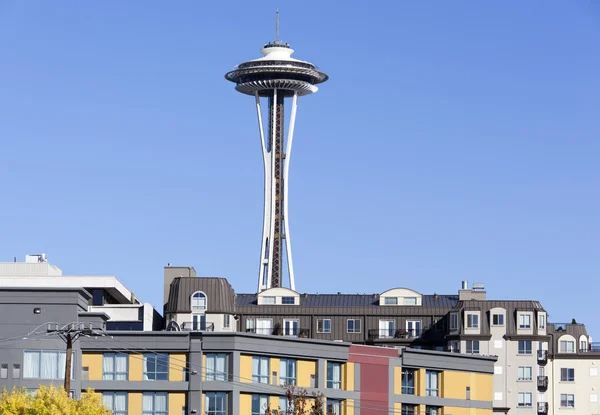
593	347
542	382
197	326
394	333
279	331
542	355
542	407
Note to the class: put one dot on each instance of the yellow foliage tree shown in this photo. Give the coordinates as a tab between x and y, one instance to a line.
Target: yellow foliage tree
50	401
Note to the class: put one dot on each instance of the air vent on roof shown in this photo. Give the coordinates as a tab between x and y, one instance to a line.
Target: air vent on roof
339	293
478	286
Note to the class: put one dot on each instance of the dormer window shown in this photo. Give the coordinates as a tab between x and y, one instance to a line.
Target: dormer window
268	300
410	300
198	302
390	300
288	300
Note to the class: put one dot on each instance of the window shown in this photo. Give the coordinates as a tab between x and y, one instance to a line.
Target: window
593	371
114	366
468	393
250	325
410	301
567	346
44	364
593	397
4	371
542	321
334	375
472	321
454	346
567	400
226	321
216	367
409	409
453	321
285	407
334	406
264	326
259	404
498	320
413	328
156	366
324	326
567	374
498	344
498	396
154	403
524	346
525	373
387	329
198	302
431	383
115	402
287	371
260	369
433	410
390	300
215	403
288	300
408	381
498	370
583	346
524	399
268	300
16	371
524	321
472	346
353	326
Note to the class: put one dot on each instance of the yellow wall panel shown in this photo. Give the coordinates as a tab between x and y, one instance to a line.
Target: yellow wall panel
94	362
348	407
136	367
453	410
397	380
177	363
203	368
484	387
134	403
176	403
348	379
274	403
454	385
245	404
274	366
305	369
397	408
420	382
246	368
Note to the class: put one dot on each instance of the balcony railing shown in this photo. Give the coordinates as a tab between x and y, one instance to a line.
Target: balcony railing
279	331
542	382
196	326
542	407
542	356
593	347
375	334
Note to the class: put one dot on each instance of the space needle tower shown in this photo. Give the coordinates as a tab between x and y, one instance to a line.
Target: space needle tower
273	78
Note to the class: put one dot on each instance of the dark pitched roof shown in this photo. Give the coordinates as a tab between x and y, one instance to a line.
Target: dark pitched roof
219	293
509	305
351	300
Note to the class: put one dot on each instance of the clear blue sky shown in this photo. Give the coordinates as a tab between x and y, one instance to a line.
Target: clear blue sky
454	140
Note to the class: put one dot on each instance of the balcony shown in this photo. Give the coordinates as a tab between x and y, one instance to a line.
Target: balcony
197	326
542	356
542	407
593	347
279	331
542	382
394	334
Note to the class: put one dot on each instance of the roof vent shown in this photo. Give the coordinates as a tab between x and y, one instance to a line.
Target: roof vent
465	285
339	293
478	286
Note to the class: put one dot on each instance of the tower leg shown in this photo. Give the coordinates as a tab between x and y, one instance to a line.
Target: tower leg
288	154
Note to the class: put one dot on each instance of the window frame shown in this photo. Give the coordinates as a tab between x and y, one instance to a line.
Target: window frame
198	309
390	300
156	372
413	301
154	395
286	298
524	321
521	373
333	406
472	343
523	403
407	376
472	320
114	375
567	374
60	368
114	394
226	321
223	398
272	300
215	375
354	321
288	380
524	351
259	398
322	329
453	321
331	382
500	317
562	343
542	321
260	377
566	400
429	390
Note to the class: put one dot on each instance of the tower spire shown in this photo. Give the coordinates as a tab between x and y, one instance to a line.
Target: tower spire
277	26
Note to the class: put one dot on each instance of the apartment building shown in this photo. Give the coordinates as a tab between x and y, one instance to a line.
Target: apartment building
572	370
108	295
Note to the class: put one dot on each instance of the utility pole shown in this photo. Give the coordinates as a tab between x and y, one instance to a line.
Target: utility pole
70	334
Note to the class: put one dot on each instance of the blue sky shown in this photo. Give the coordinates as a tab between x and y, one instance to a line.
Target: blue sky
454	140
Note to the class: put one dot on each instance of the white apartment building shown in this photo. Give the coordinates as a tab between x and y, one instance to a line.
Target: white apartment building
108	294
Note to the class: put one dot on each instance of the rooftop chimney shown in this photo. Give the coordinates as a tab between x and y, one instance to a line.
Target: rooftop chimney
465	285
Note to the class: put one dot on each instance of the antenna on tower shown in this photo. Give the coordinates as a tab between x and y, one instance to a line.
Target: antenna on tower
277	26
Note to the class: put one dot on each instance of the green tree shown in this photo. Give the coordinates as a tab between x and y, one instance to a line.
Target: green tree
50	400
